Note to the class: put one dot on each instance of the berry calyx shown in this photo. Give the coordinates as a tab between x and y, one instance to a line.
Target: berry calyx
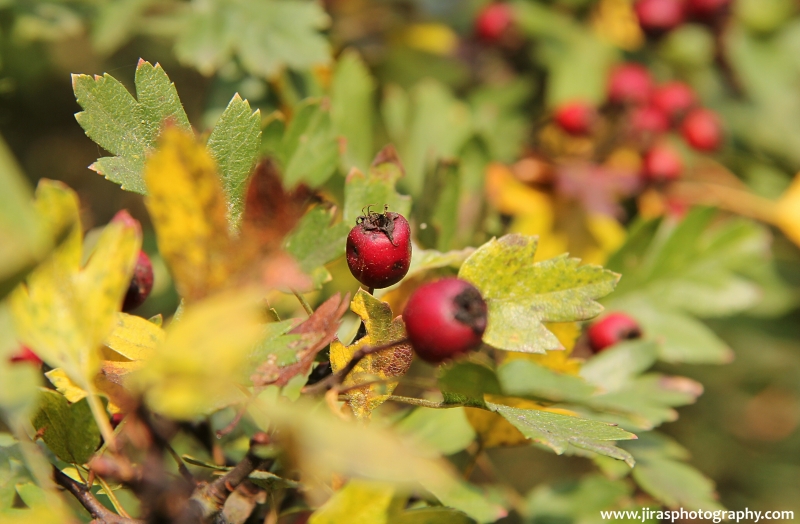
445	319
657	17
674	99
379	249
649	120
629	84
493	21
702	130
612	329
576	118
25	354
661	163
141	283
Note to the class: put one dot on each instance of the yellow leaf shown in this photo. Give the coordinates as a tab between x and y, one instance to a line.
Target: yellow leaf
194	371
392	362
134	337
188	208
359	502
567	333
65	386
616	22
432	38
512	197
788	211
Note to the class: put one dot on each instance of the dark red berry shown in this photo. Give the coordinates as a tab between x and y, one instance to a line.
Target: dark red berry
25	354
674	99
707	10
629	84
445	319
576	118
649	120
379	249
141	283
493	21
702	130
116	419
661	163
657	17
612	329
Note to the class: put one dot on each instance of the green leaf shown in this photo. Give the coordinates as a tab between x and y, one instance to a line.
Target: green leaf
234	144
577	501
376	187
124	126
466	498
116	23
18	383
352	109
316	241
467	382
265	36
613	368
309	151
446	430
438	206
522	295
559	432
523	378
68	430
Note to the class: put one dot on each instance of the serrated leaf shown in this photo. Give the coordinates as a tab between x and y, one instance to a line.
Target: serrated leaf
352	109
522	295
376	187
234	145
124	126
359	502
316	241
393	362
68	430
559	432
265	36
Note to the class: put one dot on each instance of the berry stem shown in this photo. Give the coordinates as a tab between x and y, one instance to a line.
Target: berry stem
336	379
303	302
730	199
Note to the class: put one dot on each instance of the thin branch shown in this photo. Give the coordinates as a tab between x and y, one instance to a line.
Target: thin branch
337	378
303	302
112	497
425	403
184	471
88	500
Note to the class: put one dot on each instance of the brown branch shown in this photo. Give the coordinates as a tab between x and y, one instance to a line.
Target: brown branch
88	500
337	378
210	498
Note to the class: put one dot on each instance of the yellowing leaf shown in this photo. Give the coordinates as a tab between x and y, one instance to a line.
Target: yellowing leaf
188	208
567	333
494	430
392	362
65	386
438	39
788	211
134	337
359	502
194	371
512	197
616	22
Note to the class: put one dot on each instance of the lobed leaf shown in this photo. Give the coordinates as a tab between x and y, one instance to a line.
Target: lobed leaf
377	187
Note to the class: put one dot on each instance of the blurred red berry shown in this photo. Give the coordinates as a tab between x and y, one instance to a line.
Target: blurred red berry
674	99
141	283
661	163
649	120
612	329
702	130
657	17
116	419
629	84
706	10
492	21
25	354
576	118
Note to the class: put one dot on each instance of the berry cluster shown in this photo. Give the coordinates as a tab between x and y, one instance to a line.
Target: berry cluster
658	17
644	112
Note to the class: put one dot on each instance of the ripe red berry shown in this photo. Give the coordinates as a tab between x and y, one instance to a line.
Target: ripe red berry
702	130
116	419
492	21
629	84
379	249
649	120
657	17
445	319
25	354
706	10
141	283
576	118
674	99
661	163
612	329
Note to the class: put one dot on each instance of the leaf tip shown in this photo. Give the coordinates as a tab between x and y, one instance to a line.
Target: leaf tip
126	220
388	155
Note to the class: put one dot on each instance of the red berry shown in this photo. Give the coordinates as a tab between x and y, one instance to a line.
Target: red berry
629	83
576	118
379	249
445	319
116	419
649	120
674	99
661	163
702	130
25	354
492	21
612	329
657	17
141	283
706	10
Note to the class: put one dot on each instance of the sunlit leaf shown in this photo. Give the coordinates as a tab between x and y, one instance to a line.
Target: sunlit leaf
358	502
